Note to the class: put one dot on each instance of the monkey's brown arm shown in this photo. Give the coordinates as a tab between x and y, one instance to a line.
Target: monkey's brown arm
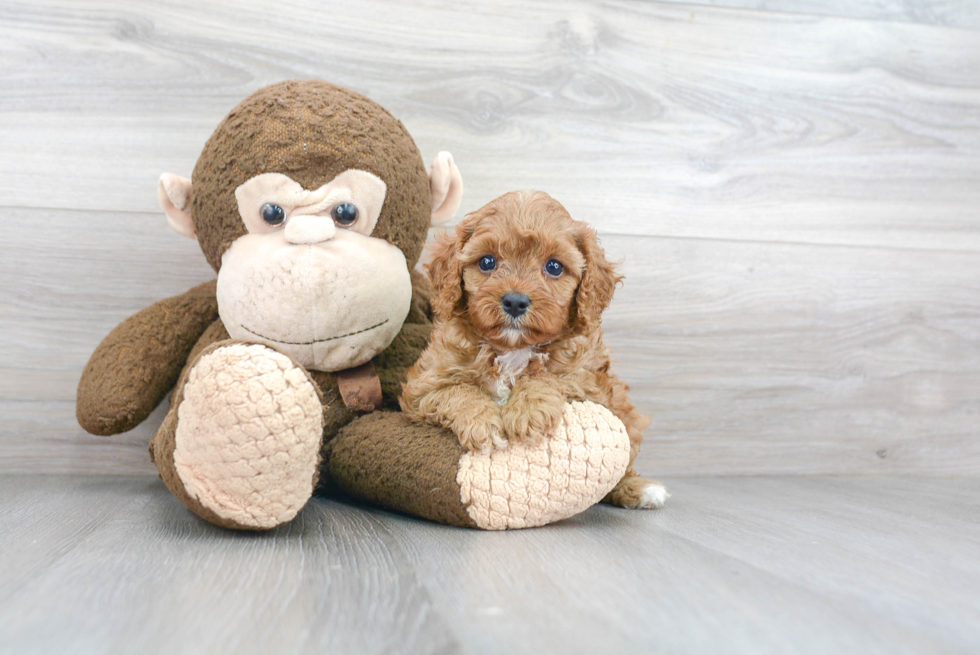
393	364
139	362
421	310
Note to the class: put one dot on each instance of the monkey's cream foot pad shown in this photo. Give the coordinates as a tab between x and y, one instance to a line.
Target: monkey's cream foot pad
531	485
248	435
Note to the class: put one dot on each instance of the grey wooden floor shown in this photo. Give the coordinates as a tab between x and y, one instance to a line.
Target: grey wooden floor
731	565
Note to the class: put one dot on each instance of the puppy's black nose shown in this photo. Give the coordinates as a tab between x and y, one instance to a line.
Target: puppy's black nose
515	304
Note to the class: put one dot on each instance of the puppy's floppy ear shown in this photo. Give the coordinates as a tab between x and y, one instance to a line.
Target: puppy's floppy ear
445	269
599	280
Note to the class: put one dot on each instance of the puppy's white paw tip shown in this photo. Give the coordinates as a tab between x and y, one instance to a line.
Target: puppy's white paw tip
654	496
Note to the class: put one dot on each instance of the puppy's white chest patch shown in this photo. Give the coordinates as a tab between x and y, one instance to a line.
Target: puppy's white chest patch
509	366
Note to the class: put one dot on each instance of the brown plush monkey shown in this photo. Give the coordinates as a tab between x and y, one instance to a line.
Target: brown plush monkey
312	204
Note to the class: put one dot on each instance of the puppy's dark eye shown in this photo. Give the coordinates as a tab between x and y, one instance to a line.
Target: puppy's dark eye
554	268
488	263
273	214
344	214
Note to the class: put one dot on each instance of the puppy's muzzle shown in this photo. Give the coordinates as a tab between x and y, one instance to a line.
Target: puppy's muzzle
515	304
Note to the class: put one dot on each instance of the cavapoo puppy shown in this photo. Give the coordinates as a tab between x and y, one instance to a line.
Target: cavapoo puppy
519	293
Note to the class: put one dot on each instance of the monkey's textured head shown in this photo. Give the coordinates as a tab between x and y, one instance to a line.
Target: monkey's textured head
312	203
311	131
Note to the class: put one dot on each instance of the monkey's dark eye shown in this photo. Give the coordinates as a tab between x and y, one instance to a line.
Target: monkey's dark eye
344	214
488	263
273	214
554	268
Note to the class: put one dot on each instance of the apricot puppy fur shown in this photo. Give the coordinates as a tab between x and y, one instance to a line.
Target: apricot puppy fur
519	292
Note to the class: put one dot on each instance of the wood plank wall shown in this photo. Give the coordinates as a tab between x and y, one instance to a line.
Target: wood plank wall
794	188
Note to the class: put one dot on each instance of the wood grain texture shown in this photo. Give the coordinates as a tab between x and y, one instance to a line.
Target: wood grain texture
652	118
800	359
952	13
166	582
751	358
731	565
795	198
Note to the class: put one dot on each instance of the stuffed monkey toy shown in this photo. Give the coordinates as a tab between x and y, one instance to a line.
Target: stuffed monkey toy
312	204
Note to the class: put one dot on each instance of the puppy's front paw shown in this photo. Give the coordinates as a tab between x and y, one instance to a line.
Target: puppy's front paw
481	431
531	415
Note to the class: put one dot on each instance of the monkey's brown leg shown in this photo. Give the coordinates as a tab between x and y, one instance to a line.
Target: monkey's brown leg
421	469
240	446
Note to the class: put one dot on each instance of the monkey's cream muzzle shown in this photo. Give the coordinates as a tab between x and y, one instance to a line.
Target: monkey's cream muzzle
306	230
330	297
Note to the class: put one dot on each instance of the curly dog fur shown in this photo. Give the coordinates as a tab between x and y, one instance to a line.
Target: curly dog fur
493	375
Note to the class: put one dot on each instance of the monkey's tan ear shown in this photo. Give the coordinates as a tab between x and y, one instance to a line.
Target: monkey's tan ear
446	185
174	196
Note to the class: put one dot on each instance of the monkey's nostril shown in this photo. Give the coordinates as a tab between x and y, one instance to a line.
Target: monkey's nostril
515	304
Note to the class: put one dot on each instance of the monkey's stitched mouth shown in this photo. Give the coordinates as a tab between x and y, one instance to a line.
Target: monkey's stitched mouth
310	343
